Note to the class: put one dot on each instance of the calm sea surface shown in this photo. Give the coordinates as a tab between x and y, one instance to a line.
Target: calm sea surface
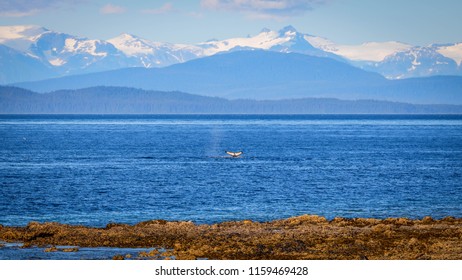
93	170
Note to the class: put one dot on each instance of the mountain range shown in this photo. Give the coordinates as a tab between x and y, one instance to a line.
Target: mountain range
30	53
267	75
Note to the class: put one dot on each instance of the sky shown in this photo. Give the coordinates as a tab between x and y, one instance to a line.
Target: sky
416	22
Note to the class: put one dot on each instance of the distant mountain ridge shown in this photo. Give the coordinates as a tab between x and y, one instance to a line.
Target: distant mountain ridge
120	100
268	75
49	54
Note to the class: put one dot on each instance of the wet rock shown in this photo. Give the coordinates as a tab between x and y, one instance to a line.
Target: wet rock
118	257
303	237
51	249
68	250
10	235
427	220
26	245
448	219
113	225
310	219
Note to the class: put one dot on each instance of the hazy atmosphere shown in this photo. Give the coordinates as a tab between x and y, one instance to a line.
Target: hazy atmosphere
414	22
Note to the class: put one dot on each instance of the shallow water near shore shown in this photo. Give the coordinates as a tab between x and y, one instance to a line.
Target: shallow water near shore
93	170
16	251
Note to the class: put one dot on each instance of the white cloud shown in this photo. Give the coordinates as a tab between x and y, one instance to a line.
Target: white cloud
166	8
264	8
22	8
109	9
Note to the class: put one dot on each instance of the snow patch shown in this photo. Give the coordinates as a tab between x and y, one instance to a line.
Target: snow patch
454	52
132	45
371	51
321	43
57	62
89	46
414	62
264	40
70	44
73	45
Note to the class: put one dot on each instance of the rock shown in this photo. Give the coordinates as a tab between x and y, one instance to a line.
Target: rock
427	220
297	238
68	250
50	249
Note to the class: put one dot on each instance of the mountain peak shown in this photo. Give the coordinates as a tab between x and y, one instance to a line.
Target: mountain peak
131	44
265	30
288	28
125	37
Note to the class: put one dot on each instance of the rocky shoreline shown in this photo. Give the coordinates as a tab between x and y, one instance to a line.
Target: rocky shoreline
297	238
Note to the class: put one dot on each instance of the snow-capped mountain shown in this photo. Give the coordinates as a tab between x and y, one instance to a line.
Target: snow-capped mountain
396	60
154	54
453	51
286	40
416	62
371	51
20	37
16	64
64	54
60	53
72	55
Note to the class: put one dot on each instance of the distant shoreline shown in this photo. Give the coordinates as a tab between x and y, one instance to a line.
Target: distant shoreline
233	114
121	100
302	237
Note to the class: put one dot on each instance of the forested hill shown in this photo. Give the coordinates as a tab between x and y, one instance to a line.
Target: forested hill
123	100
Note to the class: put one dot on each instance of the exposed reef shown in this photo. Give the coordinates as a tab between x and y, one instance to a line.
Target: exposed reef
303	237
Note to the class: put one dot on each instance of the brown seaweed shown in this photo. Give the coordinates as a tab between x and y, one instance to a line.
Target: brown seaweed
303	237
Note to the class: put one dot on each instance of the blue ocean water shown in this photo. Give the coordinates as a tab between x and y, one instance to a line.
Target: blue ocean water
93	170
15	251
